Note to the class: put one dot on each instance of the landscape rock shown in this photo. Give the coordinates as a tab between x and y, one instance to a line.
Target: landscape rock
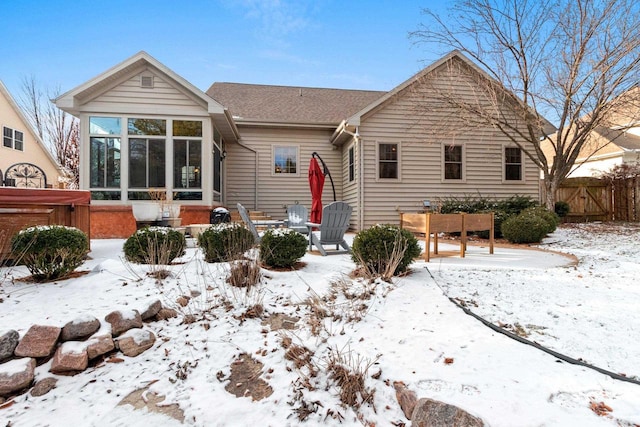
70	357
183	300
135	341
406	398
16	375
99	345
432	413
151	310
39	341
123	320
166	313
80	328
8	343
43	386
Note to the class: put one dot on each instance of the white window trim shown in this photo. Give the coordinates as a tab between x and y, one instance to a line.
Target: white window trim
399	178
273	160
443	148
504	166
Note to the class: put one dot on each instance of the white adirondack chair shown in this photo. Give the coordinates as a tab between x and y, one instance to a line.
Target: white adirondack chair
335	222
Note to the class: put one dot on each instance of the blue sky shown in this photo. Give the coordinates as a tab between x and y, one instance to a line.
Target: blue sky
320	43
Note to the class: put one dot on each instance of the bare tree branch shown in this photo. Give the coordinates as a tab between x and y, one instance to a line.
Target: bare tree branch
58	130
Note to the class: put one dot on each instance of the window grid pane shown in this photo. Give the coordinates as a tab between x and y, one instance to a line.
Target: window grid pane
18	142
453	162
388	161
513	164
285	160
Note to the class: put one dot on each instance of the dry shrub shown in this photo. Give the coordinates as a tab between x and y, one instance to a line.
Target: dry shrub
244	273
299	355
349	371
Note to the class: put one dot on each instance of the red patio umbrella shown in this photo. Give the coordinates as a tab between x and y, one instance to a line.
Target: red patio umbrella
316	184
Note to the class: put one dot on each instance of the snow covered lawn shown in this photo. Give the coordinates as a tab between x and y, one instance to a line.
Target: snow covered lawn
404	331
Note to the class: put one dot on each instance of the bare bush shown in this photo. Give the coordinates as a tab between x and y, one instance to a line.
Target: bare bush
349	372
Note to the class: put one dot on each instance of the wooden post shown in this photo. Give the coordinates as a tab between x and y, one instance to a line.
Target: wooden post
463	237
427	237
491	233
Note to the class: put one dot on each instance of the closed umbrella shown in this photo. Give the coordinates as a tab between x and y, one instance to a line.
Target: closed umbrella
316	184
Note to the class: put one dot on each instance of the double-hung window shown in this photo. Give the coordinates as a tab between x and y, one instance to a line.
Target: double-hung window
453	162
388	167
512	164
13	138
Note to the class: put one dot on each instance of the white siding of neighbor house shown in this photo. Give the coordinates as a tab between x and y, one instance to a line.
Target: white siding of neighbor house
272	193
164	98
421	163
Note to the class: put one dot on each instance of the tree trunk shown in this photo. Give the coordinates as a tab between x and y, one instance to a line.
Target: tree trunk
550	185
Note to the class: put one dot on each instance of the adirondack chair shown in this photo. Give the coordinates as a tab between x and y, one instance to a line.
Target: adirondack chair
298	215
250	225
335	221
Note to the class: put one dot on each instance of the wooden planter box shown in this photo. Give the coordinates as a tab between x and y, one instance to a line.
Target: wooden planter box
429	223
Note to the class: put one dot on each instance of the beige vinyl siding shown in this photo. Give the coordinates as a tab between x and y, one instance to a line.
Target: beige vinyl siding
275	192
416	130
164	98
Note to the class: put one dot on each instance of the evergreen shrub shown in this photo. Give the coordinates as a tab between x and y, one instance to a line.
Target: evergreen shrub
154	245
282	248
225	242
50	251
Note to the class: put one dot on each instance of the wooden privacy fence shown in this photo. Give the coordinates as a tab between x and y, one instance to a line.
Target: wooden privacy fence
428	223
595	199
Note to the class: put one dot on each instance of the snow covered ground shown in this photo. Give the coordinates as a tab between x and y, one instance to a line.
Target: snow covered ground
406	331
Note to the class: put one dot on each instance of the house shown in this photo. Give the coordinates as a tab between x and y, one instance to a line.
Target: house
607	149
613	143
24	160
145	129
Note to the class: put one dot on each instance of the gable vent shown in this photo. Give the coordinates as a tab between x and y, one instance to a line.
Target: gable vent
146	81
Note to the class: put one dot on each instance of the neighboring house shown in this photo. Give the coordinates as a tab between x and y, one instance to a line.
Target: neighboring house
145	128
607	149
610	145
24	160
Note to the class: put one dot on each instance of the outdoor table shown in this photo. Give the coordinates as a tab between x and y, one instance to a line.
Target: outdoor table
310	227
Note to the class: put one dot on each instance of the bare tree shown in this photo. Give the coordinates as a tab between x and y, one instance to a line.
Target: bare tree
573	61
58	130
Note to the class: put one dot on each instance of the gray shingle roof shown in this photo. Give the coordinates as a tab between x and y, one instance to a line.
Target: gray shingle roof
290	104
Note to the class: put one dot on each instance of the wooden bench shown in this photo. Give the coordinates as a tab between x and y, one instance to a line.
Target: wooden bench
430	223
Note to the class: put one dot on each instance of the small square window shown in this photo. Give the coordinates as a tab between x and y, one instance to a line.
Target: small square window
146	81
285	160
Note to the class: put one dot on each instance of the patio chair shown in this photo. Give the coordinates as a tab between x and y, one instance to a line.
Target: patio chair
247	220
335	222
297	216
